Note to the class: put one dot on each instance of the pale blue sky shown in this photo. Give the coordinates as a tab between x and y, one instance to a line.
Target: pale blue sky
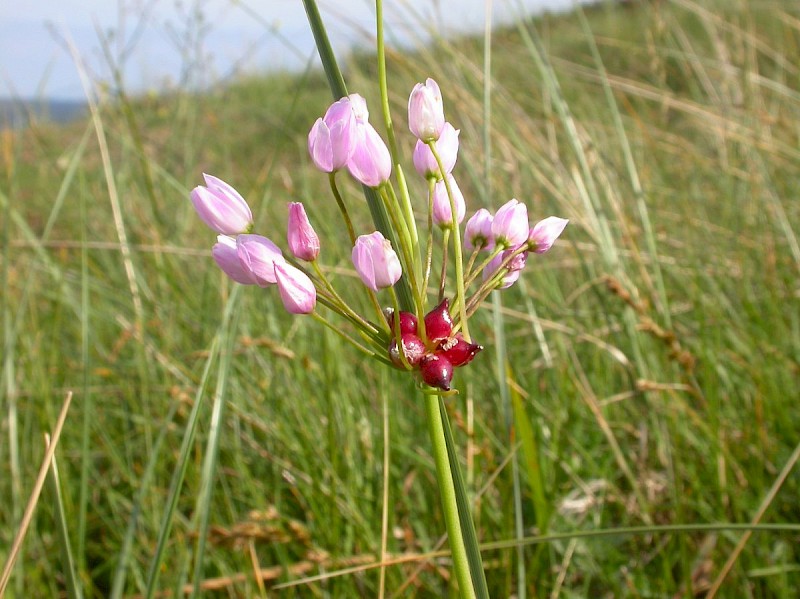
236	36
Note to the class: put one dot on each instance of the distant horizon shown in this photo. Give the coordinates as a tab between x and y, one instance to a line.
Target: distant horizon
230	39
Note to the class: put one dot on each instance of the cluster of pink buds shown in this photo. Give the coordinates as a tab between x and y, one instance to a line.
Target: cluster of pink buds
429	343
436	357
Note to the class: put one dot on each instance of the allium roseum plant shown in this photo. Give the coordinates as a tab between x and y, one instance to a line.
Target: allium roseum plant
423	334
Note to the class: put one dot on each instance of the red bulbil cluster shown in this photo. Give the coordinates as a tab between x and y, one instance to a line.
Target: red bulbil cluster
443	352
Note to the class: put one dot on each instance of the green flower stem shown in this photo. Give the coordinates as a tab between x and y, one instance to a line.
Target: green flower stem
387	117
456	247
429	245
321	319
342	208
443	279
374	339
345	309
470	264
472	274
405	245
396	331
444	477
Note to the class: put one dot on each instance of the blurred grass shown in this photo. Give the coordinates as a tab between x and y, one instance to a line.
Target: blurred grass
656	348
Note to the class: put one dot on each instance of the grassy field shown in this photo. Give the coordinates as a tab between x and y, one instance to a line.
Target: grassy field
649	404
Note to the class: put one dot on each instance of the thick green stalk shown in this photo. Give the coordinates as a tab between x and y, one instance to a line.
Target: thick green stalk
444	477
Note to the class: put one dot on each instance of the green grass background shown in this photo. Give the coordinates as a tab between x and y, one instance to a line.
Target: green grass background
653	356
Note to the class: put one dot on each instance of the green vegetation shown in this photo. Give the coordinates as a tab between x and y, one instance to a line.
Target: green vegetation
653	354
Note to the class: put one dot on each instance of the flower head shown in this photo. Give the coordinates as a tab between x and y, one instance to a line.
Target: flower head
442	215
371	163
225	255
478	234
376	262
545	232
425	111
332	139
447	148
297	291
221	207
302	239
258	255
510	224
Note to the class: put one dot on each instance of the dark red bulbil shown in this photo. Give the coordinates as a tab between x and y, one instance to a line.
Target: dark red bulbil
436	371
458	351
438	322
408	322
413	349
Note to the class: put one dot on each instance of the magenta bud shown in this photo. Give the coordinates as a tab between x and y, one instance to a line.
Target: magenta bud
221	207
438	323
258	255
436	371
302	239
408	323
458	351
413	350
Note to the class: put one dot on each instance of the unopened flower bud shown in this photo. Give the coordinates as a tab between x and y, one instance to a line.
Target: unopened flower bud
376	262
221	207
438	322
425	111
413	350
436	371
545	233
227	258
510	224
458	351
478	234
258	255
371	163
447	148
512	269
303	240
442	215
298	294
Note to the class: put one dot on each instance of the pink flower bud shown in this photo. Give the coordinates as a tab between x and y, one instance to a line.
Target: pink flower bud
371	163
513	268
297	291
413	350
425	111
376	262
458	351
332	139
436	371
442	215
221	207
438	322
545	232
359	105
510	224
226	257
446	147
258	255
302	239
478	234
